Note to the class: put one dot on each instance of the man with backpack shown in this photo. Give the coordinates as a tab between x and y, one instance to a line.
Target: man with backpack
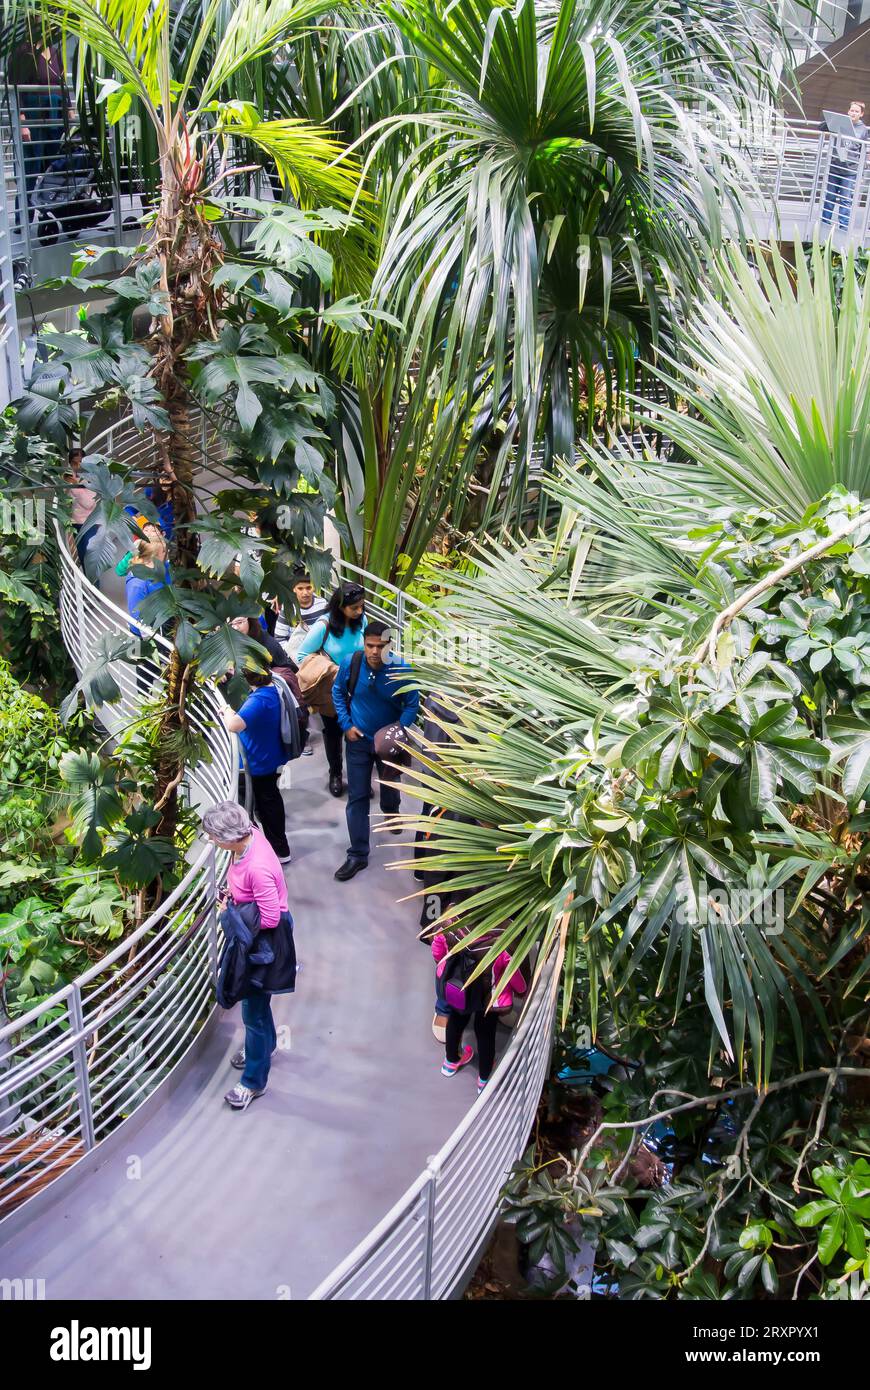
369	703
264	725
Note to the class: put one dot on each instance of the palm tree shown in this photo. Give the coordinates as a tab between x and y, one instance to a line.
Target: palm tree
550	197
199	126
584	742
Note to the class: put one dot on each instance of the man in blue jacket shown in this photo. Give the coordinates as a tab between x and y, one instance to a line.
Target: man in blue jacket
367	697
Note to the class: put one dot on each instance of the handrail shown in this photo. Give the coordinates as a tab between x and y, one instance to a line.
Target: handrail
528	1051
69	1091
57	1074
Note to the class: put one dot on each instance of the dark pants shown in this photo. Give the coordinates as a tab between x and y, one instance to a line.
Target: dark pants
85	534
268	809
260	1040
485	1025
360	754
841	183
333	738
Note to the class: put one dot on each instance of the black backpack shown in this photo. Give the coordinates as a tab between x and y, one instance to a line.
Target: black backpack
356	662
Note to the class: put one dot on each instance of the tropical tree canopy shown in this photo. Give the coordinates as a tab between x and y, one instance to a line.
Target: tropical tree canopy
672	698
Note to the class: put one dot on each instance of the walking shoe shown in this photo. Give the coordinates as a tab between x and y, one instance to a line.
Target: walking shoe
336	786
451	1068
307	751
238	1058
240	1097
285	859
439	1028
349	868
481	1084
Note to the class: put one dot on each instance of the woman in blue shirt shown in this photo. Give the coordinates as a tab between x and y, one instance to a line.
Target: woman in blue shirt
339	633
258	725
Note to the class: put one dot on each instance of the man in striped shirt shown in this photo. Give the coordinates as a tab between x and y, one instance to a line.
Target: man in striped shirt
311	607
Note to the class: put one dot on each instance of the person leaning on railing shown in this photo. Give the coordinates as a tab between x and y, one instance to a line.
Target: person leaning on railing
258	725
256	900
844	167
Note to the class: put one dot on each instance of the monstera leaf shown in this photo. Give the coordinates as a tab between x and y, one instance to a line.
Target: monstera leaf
95	798
134	855
222	539
227	648
97	683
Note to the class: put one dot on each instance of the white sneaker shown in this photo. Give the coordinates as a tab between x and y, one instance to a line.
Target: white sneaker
240	1097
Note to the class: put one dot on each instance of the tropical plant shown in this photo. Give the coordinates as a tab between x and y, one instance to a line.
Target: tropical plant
201	346
669	1185
667	737
549	197
29	624
196	132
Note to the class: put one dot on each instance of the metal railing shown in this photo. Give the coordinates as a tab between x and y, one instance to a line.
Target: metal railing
58	187
10	357
80	1063
426	1246
83	1060
804	180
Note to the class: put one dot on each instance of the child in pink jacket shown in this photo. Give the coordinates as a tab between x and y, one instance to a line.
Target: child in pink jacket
482	1000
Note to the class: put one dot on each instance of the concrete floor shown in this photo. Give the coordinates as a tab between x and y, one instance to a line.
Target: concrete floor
263	1204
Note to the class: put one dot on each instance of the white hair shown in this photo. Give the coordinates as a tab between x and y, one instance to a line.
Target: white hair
227	821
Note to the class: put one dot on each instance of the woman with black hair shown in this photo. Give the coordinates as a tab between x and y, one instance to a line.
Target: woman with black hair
339	633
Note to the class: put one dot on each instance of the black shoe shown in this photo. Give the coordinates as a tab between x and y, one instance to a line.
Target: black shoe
349	868
336	786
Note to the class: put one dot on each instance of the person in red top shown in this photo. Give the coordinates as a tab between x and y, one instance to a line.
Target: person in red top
255	876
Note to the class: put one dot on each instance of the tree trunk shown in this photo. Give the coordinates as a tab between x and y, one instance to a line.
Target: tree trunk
189	252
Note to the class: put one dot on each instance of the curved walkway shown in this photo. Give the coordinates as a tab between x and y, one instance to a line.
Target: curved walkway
203	1202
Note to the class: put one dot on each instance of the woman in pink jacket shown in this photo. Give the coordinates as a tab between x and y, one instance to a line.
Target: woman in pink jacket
255	876
490	994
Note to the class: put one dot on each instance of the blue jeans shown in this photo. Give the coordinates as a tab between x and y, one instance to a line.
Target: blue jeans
441	1006
841	182
260	1040
360	759
86	532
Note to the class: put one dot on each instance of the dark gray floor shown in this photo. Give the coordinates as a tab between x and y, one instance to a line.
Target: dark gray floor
263	1204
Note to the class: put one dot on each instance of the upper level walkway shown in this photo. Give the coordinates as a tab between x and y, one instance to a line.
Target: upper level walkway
55	191
198	1201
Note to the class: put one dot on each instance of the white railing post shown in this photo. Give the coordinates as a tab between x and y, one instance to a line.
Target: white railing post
400	621
521	1136
78	594
429	1194
779	166
212	916
19	169
80	1062
815	185
857	190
